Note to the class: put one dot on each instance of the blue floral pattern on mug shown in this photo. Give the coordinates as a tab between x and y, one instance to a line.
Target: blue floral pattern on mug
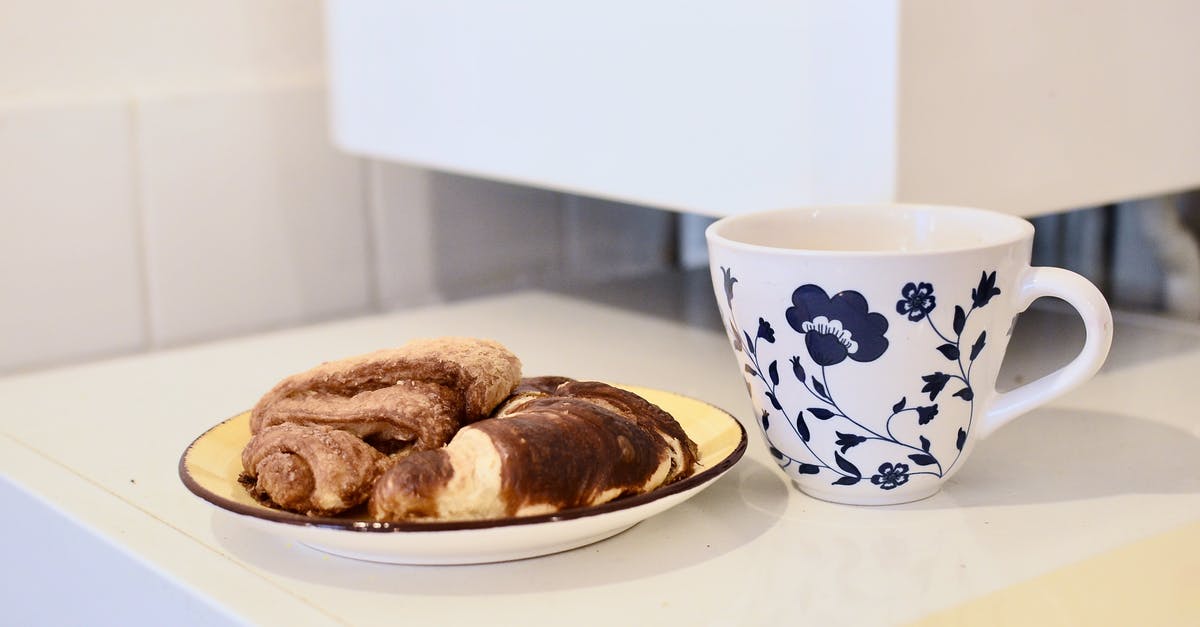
918	300
836	327
841	327
890	475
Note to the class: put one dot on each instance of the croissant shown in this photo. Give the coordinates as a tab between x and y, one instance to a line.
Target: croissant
309	469
681	449
414	397
572	445
530	388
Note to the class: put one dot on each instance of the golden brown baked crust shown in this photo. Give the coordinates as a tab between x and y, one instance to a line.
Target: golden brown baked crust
557	445
415	396
310	469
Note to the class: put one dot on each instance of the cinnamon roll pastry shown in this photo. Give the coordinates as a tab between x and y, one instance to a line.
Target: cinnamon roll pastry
576	445
414	397
308	469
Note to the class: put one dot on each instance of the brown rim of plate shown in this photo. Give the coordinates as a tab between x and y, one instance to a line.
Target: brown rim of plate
347	524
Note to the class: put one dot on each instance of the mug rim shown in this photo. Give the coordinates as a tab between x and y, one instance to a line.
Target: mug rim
1024	229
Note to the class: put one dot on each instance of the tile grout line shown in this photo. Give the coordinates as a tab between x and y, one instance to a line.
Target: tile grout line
368	182
138	209
569	207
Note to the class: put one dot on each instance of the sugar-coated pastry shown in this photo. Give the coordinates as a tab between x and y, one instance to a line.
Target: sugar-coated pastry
414	397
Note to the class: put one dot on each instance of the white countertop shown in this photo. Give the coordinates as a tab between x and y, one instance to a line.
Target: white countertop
94	505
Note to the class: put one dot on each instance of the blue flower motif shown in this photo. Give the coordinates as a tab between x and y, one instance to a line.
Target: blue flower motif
837	327
934	384
729	280
918	300
981	295
765	331
891	476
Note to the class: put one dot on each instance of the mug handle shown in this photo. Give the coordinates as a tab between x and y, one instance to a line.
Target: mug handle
1097	321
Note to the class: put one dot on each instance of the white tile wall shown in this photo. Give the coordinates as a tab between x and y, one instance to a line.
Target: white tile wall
77	48
252	219
1088	254
1157	255
599	243
190	192
440	236
1077	240
1137	274
400	203
490	237
160	220
70	283
693	248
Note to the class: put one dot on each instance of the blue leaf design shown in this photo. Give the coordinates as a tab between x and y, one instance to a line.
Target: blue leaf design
776	454
899	406
773	371
960	319
949	350
820	389
737	341
749	343
846	465
774	401
966	394
978	345
848	440
962	439
847	481
820	413
802	427
751	371
924	444
922	460
797	369
808	469
766	422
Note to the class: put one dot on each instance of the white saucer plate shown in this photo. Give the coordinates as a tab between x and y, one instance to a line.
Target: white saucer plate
211	465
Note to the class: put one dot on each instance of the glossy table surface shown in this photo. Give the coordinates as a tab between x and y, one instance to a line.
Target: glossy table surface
1100	488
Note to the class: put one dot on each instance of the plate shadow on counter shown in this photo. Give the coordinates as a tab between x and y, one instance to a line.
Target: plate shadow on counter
734	511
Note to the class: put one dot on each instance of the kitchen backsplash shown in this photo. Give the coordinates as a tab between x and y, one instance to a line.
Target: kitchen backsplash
166	177
152	222
156	222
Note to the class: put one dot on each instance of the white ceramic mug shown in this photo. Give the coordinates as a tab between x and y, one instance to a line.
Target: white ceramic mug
870	338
